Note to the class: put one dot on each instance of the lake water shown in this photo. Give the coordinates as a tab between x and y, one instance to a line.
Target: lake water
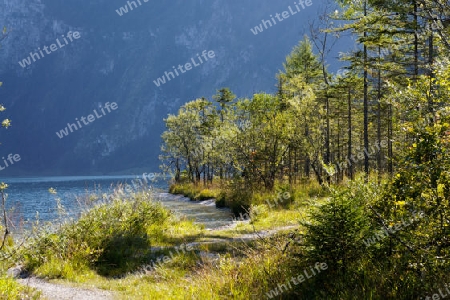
29	196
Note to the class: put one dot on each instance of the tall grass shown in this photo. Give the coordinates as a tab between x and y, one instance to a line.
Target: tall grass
110	243
11	290
9	287
113	237
193	192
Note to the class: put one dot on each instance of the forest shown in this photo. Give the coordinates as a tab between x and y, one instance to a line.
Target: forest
375	136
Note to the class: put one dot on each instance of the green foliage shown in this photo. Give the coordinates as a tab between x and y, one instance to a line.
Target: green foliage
6	123
337	229
224	96
206	194
421	185
237	196
114	237
302	61
267	144
193	192
11	290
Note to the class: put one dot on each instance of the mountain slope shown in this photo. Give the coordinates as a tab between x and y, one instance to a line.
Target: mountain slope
117	59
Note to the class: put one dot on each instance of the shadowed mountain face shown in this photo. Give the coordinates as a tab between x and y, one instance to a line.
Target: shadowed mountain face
97	52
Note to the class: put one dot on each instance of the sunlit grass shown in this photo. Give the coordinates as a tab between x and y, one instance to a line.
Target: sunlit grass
10	289
191	276
220	266
193	192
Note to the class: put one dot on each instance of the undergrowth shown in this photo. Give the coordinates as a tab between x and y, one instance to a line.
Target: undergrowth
113	237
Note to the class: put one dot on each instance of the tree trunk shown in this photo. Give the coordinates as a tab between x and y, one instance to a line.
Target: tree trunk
327	137
307	159
379	120
366	106
390	150
349	154
316	171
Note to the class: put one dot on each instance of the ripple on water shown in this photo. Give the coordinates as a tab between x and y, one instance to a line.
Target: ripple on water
203	212
31	195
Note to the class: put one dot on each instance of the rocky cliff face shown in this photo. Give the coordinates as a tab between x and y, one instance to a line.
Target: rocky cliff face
117	58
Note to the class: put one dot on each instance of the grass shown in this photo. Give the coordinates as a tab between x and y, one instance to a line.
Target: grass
115	242
114	245
113	237
10	289
194	276
193	192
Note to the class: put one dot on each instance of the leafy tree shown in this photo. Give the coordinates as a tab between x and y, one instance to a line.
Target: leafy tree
302	61
224	97
185	138
263	144
421	184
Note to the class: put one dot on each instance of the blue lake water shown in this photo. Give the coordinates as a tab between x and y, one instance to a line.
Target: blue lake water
30	196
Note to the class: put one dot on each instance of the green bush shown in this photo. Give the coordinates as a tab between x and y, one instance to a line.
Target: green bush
420	185
221	199
205	194
238	197
113	237
195	193
335	236
179	188
302	193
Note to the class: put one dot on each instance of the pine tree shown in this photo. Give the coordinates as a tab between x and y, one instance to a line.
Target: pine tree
302	64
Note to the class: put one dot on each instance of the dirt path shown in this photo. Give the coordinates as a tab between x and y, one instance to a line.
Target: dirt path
54	291
243	237
57	291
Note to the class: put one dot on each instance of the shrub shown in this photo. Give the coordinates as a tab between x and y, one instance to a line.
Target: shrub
221	199
420	185
205	194
195	193
238	198
335	236
113	237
